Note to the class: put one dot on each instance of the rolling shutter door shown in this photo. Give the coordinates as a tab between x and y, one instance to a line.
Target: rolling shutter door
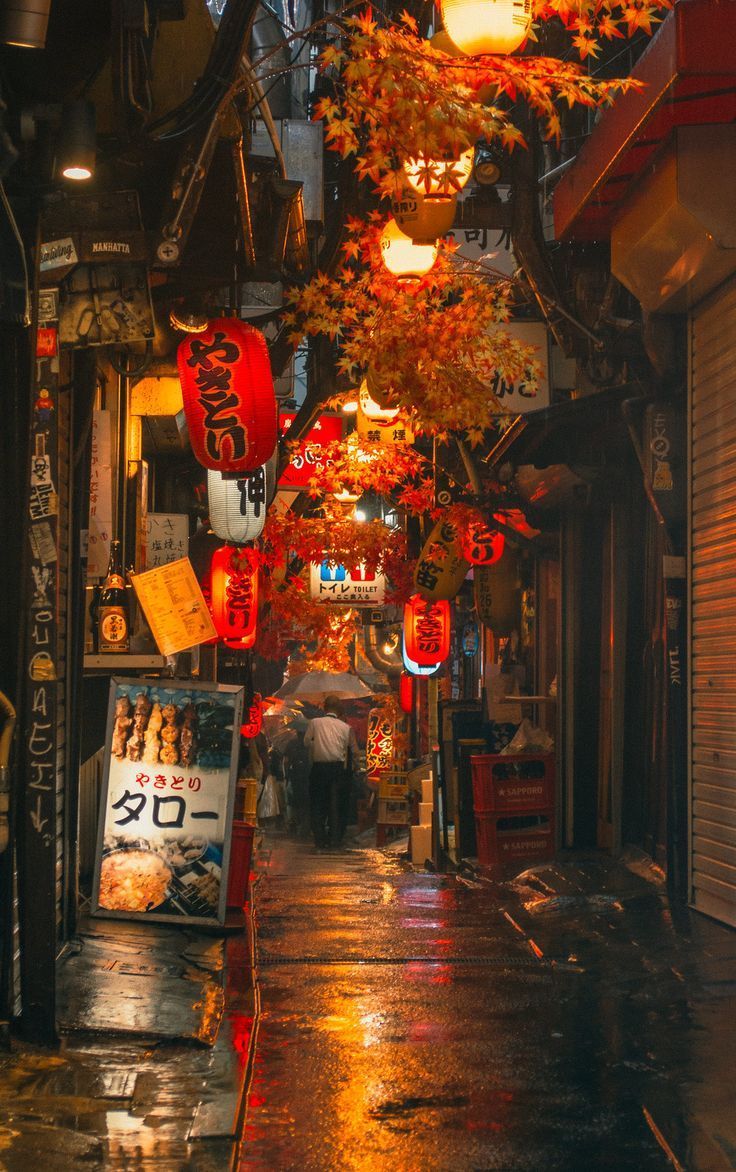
713	603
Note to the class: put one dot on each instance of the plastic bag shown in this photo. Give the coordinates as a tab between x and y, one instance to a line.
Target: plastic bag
529	739
268	800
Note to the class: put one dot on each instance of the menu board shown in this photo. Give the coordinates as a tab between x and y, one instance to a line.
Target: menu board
174	606
166	538
163	847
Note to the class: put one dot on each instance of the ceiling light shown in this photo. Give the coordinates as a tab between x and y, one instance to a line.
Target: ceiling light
78	141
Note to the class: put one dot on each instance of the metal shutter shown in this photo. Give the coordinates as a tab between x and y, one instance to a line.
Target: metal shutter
713	606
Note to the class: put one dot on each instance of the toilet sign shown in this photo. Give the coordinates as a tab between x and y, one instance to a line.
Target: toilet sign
332	583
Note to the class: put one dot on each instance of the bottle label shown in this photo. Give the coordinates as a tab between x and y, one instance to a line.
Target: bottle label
113	630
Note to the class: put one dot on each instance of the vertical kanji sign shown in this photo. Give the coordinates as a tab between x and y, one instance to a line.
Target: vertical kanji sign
171	756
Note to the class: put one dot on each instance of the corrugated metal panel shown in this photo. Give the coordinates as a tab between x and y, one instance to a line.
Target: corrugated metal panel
713	606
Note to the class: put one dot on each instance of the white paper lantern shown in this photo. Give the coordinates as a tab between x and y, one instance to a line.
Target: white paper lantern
238	506
487	26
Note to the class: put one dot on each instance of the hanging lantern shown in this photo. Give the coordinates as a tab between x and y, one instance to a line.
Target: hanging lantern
402	256
433	178
373	410
427	630
441	568
234	586
253	722
238	505
377	386
406	692
412	666
228	395
486	26
424	219
442	43
482	544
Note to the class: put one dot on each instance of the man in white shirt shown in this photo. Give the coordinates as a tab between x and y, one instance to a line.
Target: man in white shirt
330	742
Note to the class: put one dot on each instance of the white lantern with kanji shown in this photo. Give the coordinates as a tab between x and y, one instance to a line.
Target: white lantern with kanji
238	505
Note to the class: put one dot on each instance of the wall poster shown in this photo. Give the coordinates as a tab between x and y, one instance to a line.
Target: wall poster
163	846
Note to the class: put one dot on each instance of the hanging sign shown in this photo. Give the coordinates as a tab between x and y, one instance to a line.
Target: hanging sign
359	586
175	609
470	639
306	457
388	432
166	538
520	398
379	748
441	568
100	496
228	396
171	757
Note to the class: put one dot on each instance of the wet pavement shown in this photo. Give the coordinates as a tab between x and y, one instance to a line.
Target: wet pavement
415	1021
155	1026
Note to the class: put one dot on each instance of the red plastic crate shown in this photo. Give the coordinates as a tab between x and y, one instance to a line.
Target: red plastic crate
499	848
499	785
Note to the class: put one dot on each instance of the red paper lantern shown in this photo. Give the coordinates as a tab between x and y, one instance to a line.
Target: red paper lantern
427	630
253	718
234	586
406	692
228	394
482	544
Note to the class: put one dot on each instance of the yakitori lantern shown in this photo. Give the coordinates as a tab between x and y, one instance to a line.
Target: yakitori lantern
482	544
441	567
253	717
228	395
424	219
435	178
402	256
238	505
412	666
406	692
486	26
427	630
234	601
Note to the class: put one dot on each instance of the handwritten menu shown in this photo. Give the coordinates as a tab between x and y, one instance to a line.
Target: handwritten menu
174	606
166	538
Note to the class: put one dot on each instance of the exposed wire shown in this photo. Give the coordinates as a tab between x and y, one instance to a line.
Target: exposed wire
21	248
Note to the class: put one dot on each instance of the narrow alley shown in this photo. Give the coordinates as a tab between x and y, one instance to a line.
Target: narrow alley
418	1021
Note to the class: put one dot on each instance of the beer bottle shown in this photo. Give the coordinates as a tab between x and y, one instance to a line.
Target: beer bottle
113	624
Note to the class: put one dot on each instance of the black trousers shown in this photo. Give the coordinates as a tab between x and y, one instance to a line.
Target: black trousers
329	795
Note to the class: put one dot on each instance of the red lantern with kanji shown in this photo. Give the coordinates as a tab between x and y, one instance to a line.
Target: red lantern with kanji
234	586
406	692
427	630
482	544
228	395
253	722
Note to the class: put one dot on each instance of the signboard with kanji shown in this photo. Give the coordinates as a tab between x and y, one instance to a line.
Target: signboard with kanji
379	748
166	538
359	586
305	458
163	848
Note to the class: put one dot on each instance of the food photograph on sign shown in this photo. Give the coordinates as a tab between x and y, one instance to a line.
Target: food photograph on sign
167	800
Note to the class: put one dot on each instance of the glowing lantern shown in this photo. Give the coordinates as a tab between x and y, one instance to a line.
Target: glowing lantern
228	395
406	692
402	256
413	667
424	218
234	600
427	630
482	545
486	26
434	177
253	722
377	386
441	567
238	505
372	409
442	43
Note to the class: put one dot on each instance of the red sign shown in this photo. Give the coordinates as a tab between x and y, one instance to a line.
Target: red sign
304	461
228	396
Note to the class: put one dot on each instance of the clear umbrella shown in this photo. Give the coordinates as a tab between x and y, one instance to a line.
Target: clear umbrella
317	685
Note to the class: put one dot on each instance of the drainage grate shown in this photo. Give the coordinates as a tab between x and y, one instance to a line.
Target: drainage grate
496	962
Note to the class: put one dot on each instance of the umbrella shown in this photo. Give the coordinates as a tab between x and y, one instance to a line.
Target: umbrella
316	685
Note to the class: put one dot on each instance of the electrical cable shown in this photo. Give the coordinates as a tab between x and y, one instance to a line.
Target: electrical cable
27	318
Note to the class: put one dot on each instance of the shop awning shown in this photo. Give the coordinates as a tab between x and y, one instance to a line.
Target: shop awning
689	79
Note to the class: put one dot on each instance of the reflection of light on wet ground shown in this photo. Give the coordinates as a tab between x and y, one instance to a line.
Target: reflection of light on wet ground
420	922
